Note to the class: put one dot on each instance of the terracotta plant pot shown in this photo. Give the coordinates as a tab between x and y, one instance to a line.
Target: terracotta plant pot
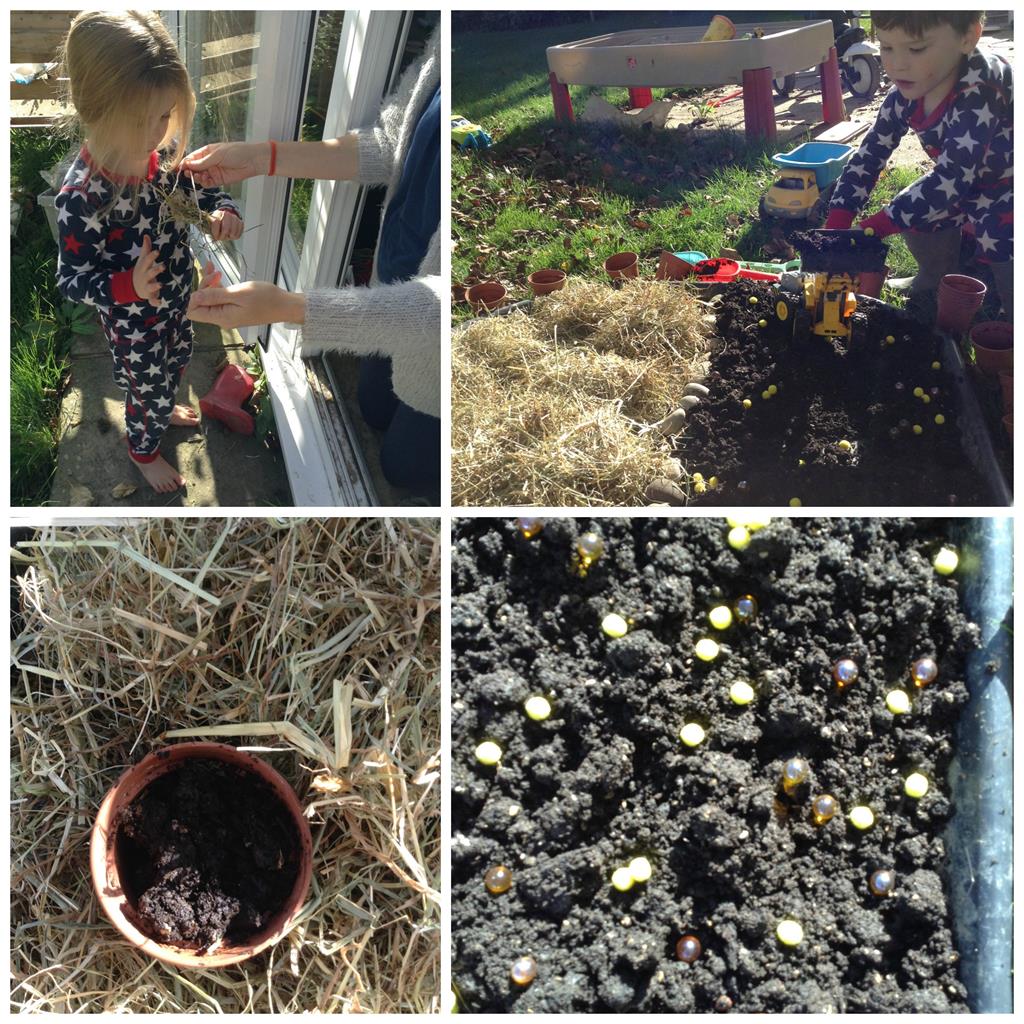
106	878
870	283
960	297
672	268
544	282
486	296
1006	383
458	293
622	265
993	346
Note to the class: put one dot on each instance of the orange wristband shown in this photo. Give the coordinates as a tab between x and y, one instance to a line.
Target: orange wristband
273	158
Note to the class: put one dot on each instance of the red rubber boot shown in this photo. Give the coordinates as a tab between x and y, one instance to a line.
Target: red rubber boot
224	400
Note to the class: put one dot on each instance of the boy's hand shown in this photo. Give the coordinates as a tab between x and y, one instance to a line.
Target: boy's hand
225	226
146	272
211	277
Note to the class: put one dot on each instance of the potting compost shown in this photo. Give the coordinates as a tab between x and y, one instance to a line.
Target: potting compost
702	819
207	852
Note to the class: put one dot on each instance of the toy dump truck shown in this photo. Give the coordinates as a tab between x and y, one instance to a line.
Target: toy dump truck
805	180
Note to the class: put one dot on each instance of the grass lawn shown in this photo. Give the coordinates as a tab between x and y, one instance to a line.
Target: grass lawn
548	195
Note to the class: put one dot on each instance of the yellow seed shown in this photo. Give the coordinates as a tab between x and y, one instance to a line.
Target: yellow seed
795	502
940	419
915	785
945	560
590	547
622	879
712	482
739	538
794	773
741	692
862	817
720	617
698	478
936	365
918	429
823	808
750	522
752	300
918	392
844	445
747	403
790	932
773	389
488	752
700	487
706	649
897	701
640	868
538	708
692	734
869	232
889	339
926	399
801	462
614	625
766	394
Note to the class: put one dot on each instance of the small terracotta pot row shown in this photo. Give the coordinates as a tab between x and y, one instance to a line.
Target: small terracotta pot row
489	295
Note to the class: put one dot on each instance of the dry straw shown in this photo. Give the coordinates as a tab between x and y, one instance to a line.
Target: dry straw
314	642
553	406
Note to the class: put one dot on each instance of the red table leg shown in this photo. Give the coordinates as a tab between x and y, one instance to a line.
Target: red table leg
561	99
640	97
832	108
758	105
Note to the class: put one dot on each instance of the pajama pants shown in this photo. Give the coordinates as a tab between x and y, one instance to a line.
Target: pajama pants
988	216
149	358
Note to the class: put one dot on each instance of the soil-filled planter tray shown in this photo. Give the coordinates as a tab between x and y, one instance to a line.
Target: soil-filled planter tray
860	391
606	779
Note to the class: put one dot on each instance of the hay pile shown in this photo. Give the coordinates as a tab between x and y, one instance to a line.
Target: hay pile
548	407
316	642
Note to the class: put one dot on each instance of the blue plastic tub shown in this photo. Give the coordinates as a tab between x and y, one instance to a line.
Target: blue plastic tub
691	256
826	159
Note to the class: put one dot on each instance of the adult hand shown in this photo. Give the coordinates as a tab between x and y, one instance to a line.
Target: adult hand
225	226
248	304
211	276
145	273
225	163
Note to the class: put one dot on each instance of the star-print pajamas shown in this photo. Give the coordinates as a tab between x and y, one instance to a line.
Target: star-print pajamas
970	137
151	344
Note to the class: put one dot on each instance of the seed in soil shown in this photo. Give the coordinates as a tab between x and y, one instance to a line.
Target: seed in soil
530	527
773	389
741	692
897	701
881	882
723	1004
688	948
890	340
739	538
862	817
762	323
915	785
917	428
706	649
936	365
207	853
790	932
745	608
692	734
940	419
712	482
590	548
498	879
823	808
924	671
747	403
919	392
794	774
641	870
845	672
622	879
946	559
795	503
766	394
488	753
844	445
720	617
615	625
523	971
538	708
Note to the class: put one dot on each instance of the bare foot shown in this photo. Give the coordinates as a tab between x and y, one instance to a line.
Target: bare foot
184	416
161	475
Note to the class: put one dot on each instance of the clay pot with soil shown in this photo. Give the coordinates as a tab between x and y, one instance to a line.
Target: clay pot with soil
544	282
201	855
854	253
622	266
993	346
960	297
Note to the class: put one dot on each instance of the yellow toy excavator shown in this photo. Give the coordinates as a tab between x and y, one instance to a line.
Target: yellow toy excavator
821	304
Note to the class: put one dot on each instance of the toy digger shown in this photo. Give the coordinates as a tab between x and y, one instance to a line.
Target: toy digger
820	303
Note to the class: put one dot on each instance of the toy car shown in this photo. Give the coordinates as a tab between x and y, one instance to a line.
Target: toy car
806	178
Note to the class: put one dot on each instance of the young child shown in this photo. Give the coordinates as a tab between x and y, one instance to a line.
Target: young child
120	250
959	100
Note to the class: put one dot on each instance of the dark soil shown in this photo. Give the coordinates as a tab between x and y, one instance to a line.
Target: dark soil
206	852
840	251
606	778
860	390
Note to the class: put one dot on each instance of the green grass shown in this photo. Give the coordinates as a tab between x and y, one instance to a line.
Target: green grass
549	195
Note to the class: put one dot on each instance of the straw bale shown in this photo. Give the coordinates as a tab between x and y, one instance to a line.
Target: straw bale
313	642
553	406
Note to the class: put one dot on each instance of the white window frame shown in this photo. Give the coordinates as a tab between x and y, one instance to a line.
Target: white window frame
322	468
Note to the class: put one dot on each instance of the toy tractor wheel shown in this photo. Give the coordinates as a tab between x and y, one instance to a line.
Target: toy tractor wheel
784	310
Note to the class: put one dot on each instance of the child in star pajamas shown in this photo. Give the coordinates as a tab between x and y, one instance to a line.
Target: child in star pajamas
120	251
959	100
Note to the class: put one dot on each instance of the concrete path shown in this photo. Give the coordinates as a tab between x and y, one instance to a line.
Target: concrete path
222	468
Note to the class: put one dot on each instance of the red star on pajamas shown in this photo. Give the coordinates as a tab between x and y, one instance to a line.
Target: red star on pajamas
73	244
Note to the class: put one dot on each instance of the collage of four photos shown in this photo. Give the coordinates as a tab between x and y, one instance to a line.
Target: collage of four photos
511	511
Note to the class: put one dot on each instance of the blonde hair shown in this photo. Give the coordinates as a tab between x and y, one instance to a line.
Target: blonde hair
118	64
